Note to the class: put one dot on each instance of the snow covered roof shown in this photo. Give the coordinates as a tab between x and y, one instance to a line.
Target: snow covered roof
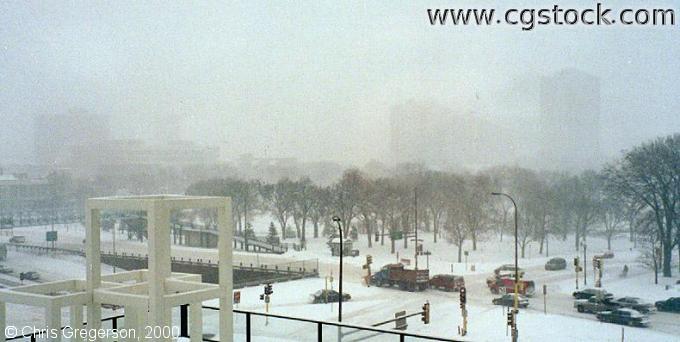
337	240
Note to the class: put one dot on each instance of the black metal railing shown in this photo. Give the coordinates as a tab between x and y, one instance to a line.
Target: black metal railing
248	331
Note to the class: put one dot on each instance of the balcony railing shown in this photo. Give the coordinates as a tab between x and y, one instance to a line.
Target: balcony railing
252	326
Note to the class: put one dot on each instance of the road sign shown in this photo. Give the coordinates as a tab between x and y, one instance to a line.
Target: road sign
51	236
400	322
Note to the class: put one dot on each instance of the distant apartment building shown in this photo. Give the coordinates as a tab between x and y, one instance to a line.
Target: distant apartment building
570	120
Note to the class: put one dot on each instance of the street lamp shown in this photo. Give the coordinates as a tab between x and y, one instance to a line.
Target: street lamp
516	301
337	220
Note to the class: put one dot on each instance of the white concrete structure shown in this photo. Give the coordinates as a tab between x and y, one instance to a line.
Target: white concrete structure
147	296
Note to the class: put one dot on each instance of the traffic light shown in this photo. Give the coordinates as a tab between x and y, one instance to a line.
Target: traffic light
463	298
261	297
426	313
598	263
369	259
268	289
576	262
510	318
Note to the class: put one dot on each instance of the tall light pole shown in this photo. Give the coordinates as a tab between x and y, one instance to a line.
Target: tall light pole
516	301
415	205
337	220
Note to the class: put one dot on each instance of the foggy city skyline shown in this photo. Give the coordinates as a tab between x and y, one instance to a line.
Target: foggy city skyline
279	81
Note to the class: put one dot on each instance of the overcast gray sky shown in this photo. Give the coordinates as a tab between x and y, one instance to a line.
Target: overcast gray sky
313	80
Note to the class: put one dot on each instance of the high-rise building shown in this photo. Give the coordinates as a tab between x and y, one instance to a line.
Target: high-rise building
570	120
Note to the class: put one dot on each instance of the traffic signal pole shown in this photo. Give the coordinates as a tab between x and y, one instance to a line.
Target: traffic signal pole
463	310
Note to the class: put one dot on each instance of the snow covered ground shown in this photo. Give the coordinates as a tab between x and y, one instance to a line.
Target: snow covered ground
370	305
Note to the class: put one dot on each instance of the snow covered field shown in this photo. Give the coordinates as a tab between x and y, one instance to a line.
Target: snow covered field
370	305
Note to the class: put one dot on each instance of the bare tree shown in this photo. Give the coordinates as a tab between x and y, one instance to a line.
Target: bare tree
345	199
648	175
434	198
281	202
320	207
612	216
303	197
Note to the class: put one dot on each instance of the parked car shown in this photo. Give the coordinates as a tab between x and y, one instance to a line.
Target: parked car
509	300
671	304
17	239
624	316
587	293
634	303
30	275
508	270
329	296
595	304
5	270
556	264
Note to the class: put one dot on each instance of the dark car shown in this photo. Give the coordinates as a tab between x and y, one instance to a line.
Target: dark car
556	264
31	275
595	304
634	303
447	282
329	296
587	293
17	239
509	300
624	316
670	304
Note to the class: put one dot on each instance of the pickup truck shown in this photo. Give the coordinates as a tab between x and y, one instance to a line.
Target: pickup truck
407	279
595	305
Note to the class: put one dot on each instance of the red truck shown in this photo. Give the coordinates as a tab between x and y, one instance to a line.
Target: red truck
507	285
407	279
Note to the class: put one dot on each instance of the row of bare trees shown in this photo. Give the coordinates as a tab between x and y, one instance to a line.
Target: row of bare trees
637	195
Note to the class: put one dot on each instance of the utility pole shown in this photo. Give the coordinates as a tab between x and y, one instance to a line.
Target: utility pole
515	310
576	269
585	264
415	202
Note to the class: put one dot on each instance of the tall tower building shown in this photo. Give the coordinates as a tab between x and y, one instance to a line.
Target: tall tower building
570	121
